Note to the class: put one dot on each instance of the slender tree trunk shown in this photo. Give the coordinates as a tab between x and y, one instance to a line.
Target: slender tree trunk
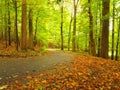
62	46
92	43
6	44
118	40
86	42
113	24
99	34
5	23
9	25
24	27
30	29
74	27
69	35
16	25
35	35
99	48
105	29
1	27
96	29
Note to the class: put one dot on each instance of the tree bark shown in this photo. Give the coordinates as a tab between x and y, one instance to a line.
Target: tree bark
24	27
91	42
2	23
113	24
62	46
118	39
5	23
105	28
100	30
9	25
74	28
30	29
35	34
69	35
16	25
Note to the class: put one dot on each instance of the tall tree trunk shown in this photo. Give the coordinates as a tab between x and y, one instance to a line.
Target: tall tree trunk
118	39
9	25
100	29
69	35
86	42
113	24
105	28
96	28
74	27
92	43
16	25
24	27
1	27
62	46
35	34
30	29
5	23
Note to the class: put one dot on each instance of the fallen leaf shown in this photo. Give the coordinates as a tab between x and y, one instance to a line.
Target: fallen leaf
44	81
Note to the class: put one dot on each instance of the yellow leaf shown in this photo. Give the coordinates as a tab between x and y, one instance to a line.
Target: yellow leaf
74	84
44	81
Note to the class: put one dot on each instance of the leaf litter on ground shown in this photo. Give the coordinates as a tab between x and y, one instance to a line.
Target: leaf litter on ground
83	73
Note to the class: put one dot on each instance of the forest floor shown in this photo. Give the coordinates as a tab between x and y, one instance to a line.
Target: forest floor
67	71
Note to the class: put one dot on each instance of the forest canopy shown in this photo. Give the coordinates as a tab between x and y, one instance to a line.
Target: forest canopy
77	25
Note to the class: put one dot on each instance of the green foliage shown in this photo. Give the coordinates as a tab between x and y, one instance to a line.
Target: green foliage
48	16
40	88
58	1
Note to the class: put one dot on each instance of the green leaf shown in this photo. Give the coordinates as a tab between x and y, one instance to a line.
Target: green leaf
58	1
40	88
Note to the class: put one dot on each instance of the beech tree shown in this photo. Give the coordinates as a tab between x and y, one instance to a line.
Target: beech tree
69	34
75	3
61	7
5	24
100	28
16	23
105	28
118	40
9	23
91	41
30	28
113	29
24	26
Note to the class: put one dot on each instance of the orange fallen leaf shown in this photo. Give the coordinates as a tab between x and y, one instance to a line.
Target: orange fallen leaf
54	89
44	81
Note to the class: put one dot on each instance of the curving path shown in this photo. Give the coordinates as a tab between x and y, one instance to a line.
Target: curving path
10	69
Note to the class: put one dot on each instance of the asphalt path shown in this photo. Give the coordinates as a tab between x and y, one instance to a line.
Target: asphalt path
11	68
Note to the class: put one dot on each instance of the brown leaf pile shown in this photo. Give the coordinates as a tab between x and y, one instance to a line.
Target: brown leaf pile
84	73
10	51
